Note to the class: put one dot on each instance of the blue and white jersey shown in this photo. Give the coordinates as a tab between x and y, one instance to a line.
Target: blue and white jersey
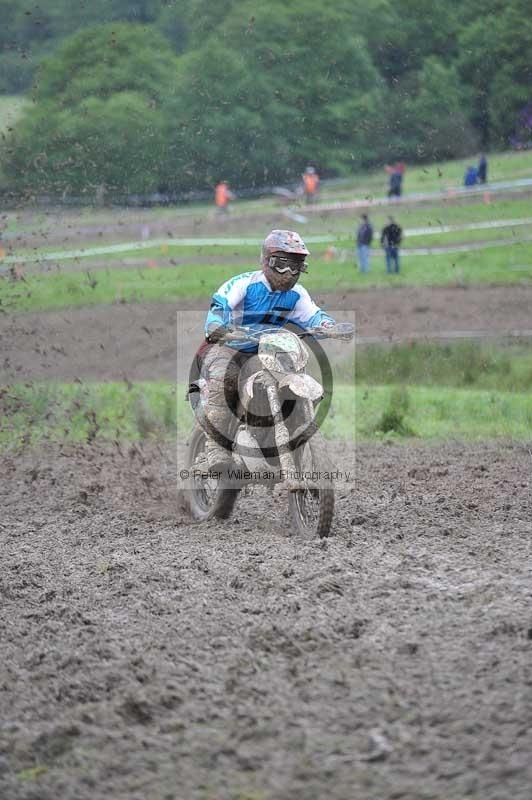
248	299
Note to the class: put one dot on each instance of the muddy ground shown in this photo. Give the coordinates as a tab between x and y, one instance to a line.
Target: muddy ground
138	341
143	656
147	657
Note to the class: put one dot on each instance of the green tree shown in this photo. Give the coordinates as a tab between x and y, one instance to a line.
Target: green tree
432	118
100	61
98	117
217	122
495	63
188	23
511	88
402	33
31	31
275	88
477	70
256	91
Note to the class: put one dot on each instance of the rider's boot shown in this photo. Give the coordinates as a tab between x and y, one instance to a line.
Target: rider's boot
218	457
218	446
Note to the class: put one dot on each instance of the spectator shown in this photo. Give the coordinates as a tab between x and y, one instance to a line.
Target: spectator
482	169
364	239
470	177
311	181
390	240
396	179
222	196
400	167
400	171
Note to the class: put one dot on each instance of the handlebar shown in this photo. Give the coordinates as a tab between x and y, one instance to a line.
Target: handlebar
343	331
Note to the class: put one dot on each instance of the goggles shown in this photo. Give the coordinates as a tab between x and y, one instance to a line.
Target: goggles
283	264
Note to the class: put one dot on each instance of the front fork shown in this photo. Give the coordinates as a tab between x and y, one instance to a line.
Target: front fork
282	437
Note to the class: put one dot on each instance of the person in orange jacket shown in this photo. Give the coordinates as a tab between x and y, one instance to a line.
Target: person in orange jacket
311	181
222	196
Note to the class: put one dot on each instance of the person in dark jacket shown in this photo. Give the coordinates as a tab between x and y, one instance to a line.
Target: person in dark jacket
396	184
390	240
364	239
482	169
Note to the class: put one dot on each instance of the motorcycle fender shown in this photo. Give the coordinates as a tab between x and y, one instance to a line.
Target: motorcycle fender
303	386
247	394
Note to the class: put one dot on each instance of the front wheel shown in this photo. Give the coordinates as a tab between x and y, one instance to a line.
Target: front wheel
312	507
206	497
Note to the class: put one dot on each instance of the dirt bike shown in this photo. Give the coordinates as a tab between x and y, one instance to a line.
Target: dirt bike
276	440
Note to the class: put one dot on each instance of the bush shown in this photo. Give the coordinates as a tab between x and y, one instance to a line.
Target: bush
392	419
98	117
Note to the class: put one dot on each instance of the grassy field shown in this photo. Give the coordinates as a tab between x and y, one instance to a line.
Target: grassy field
416	235
421	391
113	411
338	226
363	184
481	235
10	110
433	177
462	365
498	265
464	391
11	107
167	272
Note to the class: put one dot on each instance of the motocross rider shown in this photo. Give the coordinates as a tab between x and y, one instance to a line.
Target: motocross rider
264	298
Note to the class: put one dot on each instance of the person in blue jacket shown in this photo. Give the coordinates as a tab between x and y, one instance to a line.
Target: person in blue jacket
471	176
270	296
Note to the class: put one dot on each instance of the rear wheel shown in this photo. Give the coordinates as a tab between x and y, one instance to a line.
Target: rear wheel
206	497
312	507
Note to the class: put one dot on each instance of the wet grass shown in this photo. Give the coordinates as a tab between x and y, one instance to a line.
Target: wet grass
340	226
393	417
499	265
249	253
465	365
11	107
73	412
438	413
32	773
37	413
450	238
366	183
438	176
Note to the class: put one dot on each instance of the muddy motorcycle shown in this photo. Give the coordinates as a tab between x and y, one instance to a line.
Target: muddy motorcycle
275	439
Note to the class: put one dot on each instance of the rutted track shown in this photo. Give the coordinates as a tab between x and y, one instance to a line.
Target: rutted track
144	656
138	341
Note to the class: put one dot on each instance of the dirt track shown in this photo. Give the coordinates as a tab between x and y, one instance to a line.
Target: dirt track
138	341
145	657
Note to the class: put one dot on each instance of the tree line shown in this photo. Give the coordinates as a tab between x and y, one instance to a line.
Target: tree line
175	95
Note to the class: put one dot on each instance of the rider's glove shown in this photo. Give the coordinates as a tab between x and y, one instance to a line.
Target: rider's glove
214	334
341	330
